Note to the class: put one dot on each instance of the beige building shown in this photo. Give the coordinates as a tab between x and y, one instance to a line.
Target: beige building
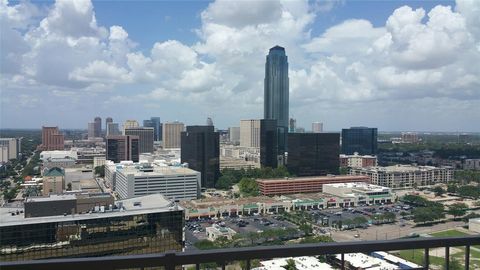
8	148
250	133
405	176
317	127
171	134
53	181
129	124
215	231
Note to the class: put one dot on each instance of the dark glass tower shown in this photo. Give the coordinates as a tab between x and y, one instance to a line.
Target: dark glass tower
120	148
276	96
200	148
155	123
268	143
359	139
312	154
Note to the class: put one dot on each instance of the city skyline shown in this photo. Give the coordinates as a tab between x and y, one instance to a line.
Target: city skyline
412	60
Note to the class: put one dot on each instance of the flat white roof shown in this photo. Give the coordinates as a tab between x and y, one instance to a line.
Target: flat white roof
360	260
302	263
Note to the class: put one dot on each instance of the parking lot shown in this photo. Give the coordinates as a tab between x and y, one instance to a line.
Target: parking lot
195	230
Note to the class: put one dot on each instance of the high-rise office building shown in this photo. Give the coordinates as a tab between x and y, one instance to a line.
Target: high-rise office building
91	130
113	129
107	121
53	181
292	125
200	148
276	96
362	140
250	133
52	139
269	156
145	138
98	127
154	123
121	148
317	127
209	121
172	134
129	124
312	154
234	134
10	149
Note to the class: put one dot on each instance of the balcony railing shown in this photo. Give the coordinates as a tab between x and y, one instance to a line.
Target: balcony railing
170	260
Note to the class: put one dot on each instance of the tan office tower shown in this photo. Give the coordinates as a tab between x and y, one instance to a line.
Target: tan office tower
250	133
129	124
51	139
317	127
171	134
53	181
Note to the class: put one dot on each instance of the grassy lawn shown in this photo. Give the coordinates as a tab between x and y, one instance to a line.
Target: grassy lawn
449	233
416	256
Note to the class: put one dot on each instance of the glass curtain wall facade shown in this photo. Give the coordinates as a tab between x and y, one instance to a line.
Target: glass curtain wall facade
121	148
362	140
276	95
119	235
311	154
200	148
268	143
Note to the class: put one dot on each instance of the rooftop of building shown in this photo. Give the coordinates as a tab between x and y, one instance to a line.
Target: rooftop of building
155	203
276	47
358	186
314	178
363	261
151	168
218	201
357	155
403	168
55	171
301	263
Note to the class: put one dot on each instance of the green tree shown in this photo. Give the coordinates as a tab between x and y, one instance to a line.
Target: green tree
439	191
100	171
457	210
248	187
452	188
290	265
415	200
359	221
344	170
389	217
225	182
205	244
469	191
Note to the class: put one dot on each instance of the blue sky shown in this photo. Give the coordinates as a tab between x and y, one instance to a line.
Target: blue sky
395	65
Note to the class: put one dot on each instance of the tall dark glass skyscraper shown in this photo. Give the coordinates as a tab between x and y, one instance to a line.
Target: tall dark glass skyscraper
268	143
312	154
155	123
276	97
359	139
200	148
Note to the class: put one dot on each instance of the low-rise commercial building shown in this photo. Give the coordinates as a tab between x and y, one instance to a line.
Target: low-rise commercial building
358	161
139	179
149	224
301	263
361	193
216	231
303	184
405	176
53	181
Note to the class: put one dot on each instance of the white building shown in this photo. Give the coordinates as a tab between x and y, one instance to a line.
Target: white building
317	127
358	161
472	164
57	154
363	261
216	231
301	263
138	179
474	225
129	124
405	176
8	149
234	134
250	133
360	193
98	161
